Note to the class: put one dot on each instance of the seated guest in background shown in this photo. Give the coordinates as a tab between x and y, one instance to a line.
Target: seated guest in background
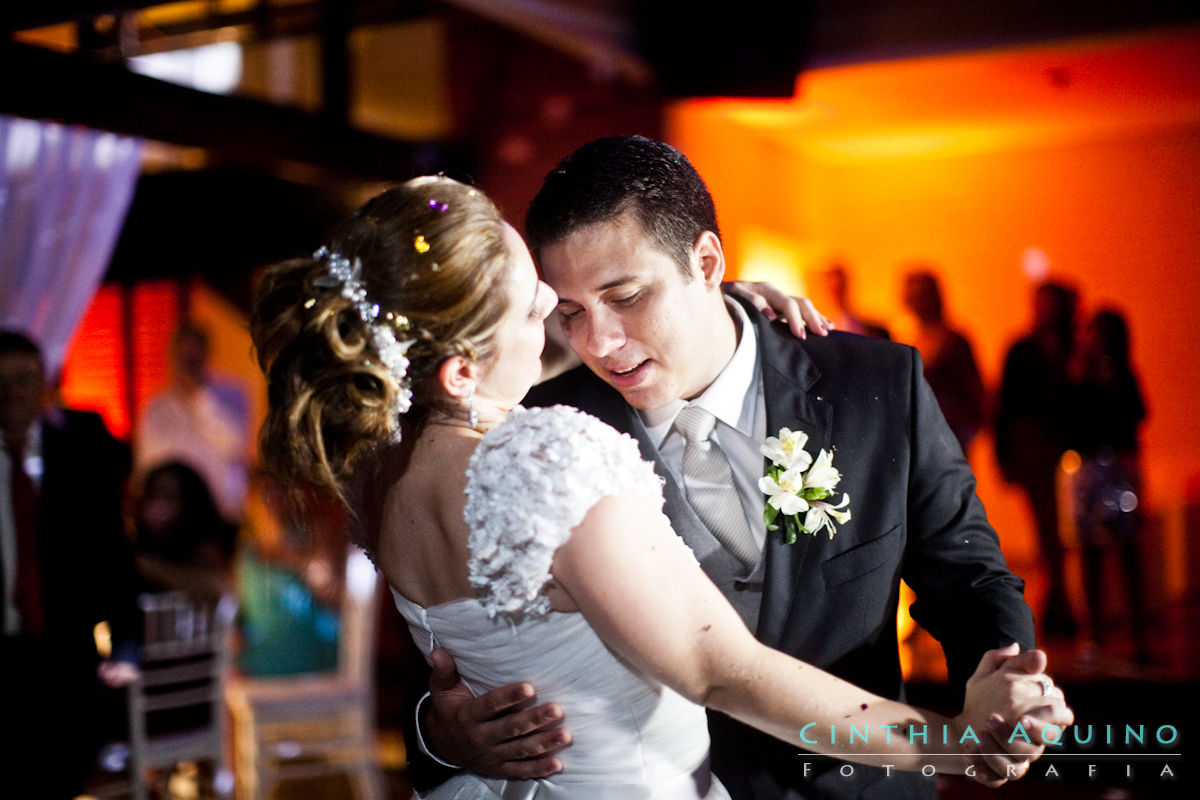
289	571
181	541
66	568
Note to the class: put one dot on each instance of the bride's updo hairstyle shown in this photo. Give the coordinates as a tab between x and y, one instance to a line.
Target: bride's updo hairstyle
350	339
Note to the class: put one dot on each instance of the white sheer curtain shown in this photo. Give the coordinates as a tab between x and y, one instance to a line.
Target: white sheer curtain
64	193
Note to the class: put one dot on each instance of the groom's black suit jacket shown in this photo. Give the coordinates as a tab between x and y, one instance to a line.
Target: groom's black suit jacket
832	602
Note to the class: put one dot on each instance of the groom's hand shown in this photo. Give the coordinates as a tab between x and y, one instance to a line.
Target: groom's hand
500	734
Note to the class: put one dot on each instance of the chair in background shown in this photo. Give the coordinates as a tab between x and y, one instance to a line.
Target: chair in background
308	726
176	714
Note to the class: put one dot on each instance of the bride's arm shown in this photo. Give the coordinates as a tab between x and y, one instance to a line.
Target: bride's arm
645	596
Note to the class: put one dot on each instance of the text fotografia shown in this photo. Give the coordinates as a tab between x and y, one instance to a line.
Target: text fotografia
1088	751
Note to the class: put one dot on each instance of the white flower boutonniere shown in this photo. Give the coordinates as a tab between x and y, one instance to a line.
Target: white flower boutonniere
797	484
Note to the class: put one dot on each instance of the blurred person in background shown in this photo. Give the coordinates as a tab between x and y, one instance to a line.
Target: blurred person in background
1107	410
200	419
290	574
1031	424
950	366
835	281
181	541
66	569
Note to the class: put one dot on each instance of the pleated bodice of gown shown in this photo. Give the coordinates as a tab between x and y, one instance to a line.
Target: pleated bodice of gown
632	737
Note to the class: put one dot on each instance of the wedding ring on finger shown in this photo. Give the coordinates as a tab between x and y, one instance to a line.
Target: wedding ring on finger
1046	686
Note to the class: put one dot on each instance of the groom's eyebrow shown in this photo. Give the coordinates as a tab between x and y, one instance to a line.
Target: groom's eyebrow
615	282
604	287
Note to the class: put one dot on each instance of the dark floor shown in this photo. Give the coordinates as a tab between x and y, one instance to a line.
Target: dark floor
1118	696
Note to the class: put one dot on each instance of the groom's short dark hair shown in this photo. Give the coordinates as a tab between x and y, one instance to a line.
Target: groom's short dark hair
607	177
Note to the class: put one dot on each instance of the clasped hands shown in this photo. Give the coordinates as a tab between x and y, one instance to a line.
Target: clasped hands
1010	689
506	734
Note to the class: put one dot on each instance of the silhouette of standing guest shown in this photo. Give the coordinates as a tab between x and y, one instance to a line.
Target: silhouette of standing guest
950	364
1106	411
836	281
1031	421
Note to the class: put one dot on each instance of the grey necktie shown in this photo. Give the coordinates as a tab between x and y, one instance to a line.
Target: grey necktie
711	492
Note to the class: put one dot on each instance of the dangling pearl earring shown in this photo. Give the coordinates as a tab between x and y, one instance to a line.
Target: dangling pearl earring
472	417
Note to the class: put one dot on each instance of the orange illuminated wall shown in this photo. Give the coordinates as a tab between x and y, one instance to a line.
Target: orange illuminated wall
119	354
93	375
1083	154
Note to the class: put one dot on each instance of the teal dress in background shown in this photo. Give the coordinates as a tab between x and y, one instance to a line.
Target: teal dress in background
284	629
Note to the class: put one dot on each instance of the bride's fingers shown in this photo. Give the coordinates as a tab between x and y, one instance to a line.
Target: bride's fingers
800	313
816	322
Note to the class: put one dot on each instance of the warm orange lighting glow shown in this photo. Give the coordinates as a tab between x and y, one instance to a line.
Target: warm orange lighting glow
766	256
1076	161
93	375
905	625
96	376
102	635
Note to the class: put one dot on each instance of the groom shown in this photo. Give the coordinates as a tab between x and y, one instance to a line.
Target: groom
626	233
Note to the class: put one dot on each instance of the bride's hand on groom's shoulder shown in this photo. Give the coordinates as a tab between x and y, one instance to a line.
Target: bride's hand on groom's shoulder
1014	710
501	734
799	312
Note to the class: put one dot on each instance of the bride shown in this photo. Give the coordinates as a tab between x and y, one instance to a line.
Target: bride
531	545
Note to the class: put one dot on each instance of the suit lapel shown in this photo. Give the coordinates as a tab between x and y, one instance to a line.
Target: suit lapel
788	378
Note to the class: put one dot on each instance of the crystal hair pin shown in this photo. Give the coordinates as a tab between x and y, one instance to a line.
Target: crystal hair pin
345	275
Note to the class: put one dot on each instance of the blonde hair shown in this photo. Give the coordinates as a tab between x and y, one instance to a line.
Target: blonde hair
431	250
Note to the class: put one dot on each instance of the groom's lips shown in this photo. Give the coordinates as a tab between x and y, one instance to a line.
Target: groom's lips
623	379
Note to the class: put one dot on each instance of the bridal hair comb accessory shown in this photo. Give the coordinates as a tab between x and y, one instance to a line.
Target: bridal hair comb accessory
346	276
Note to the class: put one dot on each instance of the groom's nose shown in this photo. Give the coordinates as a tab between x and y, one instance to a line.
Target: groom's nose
605	333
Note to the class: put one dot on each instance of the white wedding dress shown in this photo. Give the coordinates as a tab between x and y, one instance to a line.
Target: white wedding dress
531	480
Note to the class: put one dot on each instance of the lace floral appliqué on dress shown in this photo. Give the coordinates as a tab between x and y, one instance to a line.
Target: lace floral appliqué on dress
529	483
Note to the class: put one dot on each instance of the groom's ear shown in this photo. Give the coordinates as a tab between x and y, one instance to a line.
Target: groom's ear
457	376
709	257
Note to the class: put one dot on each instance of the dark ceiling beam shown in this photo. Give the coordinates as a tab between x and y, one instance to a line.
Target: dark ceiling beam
265	18
78	91
337	67
20	16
